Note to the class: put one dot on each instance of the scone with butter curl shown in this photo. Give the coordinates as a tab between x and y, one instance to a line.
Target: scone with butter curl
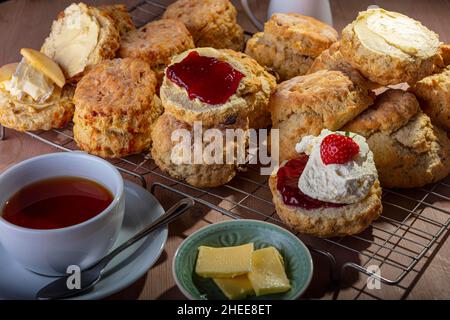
115	108
122	19
156	43
305	105
390	48
433	93
169	154
28	115
81	37
212	23
408	150
290	42
249	100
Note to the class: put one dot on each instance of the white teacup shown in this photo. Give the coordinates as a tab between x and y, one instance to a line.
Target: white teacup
51	252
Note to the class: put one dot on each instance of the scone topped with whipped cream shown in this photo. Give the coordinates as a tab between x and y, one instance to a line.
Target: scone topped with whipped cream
331	188
32	94
81	36
390	48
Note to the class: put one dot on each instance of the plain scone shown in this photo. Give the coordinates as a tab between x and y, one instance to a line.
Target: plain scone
329	222
408	150
115	108
390	48
433	92
250	101
74	57
212	23
305	105
289	43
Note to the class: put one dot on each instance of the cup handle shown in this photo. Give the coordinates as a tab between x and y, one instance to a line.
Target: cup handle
250	15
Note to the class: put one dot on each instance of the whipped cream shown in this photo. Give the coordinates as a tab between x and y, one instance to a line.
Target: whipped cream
336	183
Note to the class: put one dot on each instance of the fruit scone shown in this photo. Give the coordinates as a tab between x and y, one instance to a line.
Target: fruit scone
81	37
33	95
433	93
409	151
305	105
116	108
330	188
214	89
390	48
156	43
212	23
290	43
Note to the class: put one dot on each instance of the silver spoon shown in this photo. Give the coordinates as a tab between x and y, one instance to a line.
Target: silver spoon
90	277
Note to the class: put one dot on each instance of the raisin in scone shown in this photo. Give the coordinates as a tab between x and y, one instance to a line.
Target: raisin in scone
305	105
81	37
433	93
409	151
289	43
212	23
116	108
390	48
330	188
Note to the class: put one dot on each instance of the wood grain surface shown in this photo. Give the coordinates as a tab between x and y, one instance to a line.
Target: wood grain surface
25	23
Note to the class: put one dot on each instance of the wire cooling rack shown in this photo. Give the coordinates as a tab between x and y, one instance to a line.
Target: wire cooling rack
412	222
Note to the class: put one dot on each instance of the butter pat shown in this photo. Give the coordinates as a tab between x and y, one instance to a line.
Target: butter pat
235	288
268	275
227	262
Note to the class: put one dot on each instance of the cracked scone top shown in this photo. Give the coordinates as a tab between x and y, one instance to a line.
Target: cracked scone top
80	37
409	151
390	48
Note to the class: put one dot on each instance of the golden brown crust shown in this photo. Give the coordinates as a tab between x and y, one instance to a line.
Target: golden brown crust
305	105
56	112
116	108
198	175
433	93
121	17
289	43
212	23
408	150
156	43
329	222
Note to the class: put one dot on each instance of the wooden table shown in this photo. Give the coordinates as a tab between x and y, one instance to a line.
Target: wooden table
26	23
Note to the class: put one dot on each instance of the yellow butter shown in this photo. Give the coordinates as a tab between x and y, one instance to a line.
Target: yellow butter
268	275
227	262
235	288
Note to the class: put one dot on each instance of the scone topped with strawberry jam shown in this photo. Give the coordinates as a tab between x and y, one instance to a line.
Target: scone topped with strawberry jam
331	188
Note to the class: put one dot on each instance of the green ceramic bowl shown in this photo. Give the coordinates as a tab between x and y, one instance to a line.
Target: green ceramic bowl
297	259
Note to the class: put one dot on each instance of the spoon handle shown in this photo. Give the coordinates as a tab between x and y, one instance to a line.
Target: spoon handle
174	212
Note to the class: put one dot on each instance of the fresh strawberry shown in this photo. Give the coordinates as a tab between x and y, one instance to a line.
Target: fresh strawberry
336	148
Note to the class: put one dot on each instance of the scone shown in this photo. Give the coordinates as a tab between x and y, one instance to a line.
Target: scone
170	159
332	59
234	86
81	37
289	43
433	93
156	43
212	23
115	108
330	188
305	105
390	48
408	150
122	19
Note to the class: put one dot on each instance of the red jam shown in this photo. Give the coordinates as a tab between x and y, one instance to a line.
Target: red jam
210	80
287	185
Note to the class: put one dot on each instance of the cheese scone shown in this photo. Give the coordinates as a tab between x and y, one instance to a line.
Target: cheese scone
122	19
81	36
390	48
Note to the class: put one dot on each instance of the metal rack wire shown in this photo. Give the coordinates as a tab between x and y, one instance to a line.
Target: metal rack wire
411	224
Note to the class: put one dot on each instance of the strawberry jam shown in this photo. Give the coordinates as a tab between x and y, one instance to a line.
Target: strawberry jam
210	80
287	185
